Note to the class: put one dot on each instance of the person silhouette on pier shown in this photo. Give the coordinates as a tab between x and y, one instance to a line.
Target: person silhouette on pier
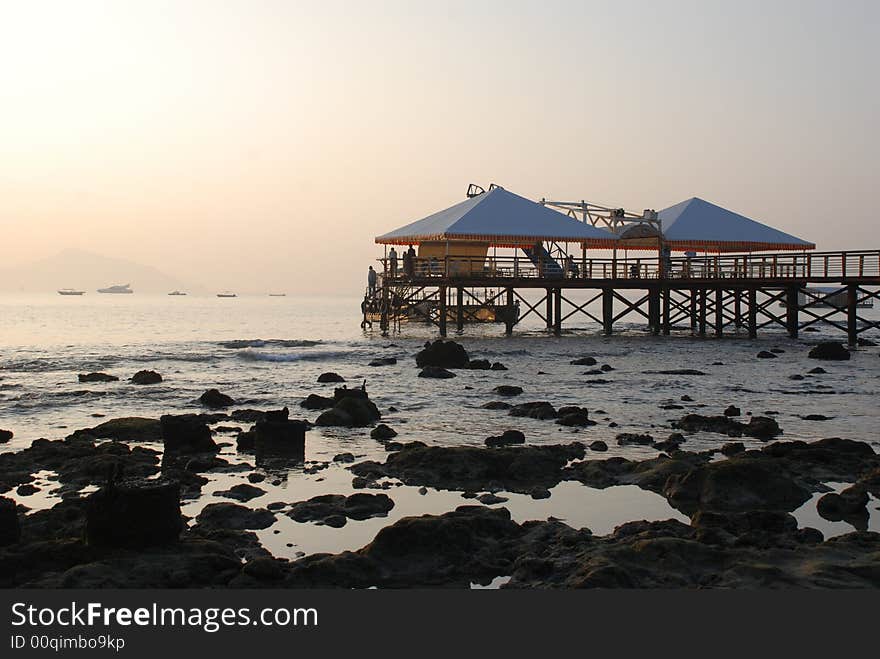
371	282
392	261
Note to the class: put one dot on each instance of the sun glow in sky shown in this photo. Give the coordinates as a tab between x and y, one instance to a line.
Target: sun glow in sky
252	143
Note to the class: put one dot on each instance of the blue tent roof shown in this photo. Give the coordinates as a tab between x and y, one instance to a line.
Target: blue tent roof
700	225
500	218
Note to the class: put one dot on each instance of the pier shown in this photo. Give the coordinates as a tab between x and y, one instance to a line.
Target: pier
713	295
737	276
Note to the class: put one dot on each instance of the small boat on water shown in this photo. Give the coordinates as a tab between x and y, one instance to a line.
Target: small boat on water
226	294
70	291
277	294
177	293
118	289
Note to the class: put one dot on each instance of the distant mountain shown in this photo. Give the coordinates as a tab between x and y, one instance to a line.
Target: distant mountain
76	268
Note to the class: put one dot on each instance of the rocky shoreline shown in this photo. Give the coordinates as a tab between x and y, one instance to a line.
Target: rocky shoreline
118	521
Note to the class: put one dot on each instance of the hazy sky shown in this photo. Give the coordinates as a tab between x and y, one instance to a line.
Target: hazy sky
244	143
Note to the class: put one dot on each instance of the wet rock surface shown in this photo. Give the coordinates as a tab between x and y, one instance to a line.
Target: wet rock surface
96	377
125	429
146	377
443	354
215	400
358	506
351	408
760	427
516	469
829	350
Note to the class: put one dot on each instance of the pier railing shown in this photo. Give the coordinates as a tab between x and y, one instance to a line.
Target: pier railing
789	265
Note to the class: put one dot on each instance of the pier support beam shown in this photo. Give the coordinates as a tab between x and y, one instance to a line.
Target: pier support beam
737	309
719	312
443	311
702	310
508	313
693	300
383	318
753	313
549	314
459	309
791	310
667	311
607	310
654	310
557	318
852	328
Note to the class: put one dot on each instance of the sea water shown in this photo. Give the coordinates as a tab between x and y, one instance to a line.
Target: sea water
267	352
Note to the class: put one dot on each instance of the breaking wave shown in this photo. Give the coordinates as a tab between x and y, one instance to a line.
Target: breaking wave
316	355
263	343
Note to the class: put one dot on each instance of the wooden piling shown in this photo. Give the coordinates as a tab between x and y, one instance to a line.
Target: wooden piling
791	310
443	311
607	310
753	313
459	308
667	311
852	329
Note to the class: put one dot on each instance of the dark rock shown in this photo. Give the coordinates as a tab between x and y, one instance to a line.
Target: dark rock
10	529
732	410
383	361
507	390
5	436
866	343
256	477
443	354
811	329
739	483
606	368
215	400
630	439
330	377
146	377
97	377
576	417
732	448
830	350
498	366
677	371
264	569
346	458
280	437
26	490
497	405
125	429
687	399
849	503
316	402
383	432
764	354
584	361
246	441
435	372
777	351
326	507
515	469
479	365
539	492
490	499
796	376
351	408
134	514
186	433
234	517
598	445
541	410
507	438
760	427
242	492
816	417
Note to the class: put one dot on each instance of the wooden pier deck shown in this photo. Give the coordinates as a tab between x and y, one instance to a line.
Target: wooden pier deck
713	294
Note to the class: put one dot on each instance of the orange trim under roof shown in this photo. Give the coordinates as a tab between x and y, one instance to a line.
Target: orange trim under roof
493	241
715	246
